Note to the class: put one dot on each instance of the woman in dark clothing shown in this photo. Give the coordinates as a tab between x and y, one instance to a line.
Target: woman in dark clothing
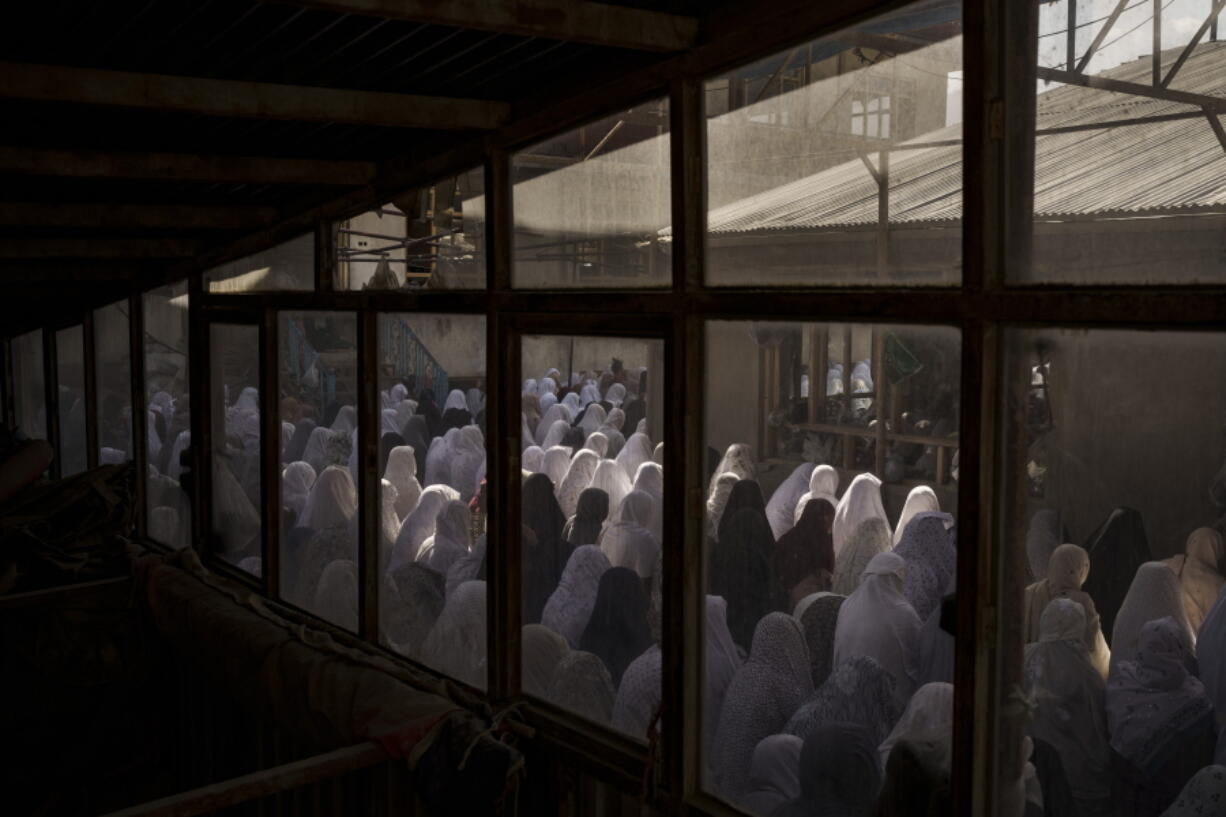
740	572
417	434
839	774
1116	550
618	631
803	559
746	495
427	408
298	442
589	518
545	559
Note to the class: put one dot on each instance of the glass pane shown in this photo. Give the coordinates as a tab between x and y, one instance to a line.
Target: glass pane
592	515
592	206
29	393
840	161
234	388
168	405
318	376
432	237
70	370
1128	174
113	373
286	266
830	557
432	460
1114	517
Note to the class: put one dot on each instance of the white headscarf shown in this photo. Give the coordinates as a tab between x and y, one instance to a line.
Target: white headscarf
555	435
718	500
332	501
634	453
877	620
456	400
657	456
547	399
628	542
391	422
638	694
1153	594
1044	535
542	650
738	459
569	608
236	522
533	459
346	420
930	550
613	481
336	597
556	412
721	661
1198	572
555	463
418	526
650	480
296	482
287	433
920	500
582	684
456	644
316	452
781	509
589	394
248	400
401	472
475	401
871	538
593	418
451	540
438	458
616	394
597	442
774	777
862	501
928	719
578	476
174	466
571	401
467	451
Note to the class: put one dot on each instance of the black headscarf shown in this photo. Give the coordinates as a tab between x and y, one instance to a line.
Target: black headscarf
545	558
618	631
1116	549
574	438
745	495
298	442
456	418
914	783
330	412
387	442
839	774
805	550
590	514
427	408
635	410
741	573
417	434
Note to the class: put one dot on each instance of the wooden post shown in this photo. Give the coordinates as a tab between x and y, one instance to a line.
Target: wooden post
878	356
817	371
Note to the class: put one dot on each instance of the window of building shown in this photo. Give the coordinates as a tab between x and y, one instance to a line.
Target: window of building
870	116
287	266
168	415
236	503
113	374
29	390
70	374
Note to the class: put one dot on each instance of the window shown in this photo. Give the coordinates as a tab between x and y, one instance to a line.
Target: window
592	205
429	238
236	502
30	395
113	374
168	408
432	460
592	514
870	116
318	377
70	370
286	266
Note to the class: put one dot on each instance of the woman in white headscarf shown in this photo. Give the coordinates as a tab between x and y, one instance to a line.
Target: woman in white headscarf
555	435
438	458
316	452
718	500
871	538
613	481
1153	594
739	460
296	482
1067	571
859	691
336	598
332	501
1068	694
455	400
571	604
451	540
929	720
650	480
721	660
597	442
418	526
571	401
589	394
174	465
401	472
1160	719
931	554
390	423
466	568
616	394
236	522
657	456
877	620
329	510
475	401
555	462
1042	538
543	650
346	420
781	509
922	499
456	644
582	684
1198	569
638	695
823	484
628	542
533	459
634	453
578	477
774	776
593	418
763	695
467	461
547	399
556	412
862	501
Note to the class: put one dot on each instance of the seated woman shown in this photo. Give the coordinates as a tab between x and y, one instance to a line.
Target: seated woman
1162	725
1067	570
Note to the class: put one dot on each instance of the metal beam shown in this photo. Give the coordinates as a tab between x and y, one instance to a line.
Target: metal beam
89	164
582	21
248	100
1210	103
135	216
136	249
1192	43
1101	35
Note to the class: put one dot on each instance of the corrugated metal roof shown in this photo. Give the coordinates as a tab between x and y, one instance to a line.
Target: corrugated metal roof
1128	169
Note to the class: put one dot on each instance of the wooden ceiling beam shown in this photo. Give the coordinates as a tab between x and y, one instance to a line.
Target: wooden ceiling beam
245	100
573	20
113	216
136	249
176	167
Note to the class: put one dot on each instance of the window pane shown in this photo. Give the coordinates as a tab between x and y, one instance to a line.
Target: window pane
830	552
30	396
318	376
803	160
1128	177
286	266
113	373
432	457
168	404
1115	517
432	238
592	206
234	360
592	515
70	369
